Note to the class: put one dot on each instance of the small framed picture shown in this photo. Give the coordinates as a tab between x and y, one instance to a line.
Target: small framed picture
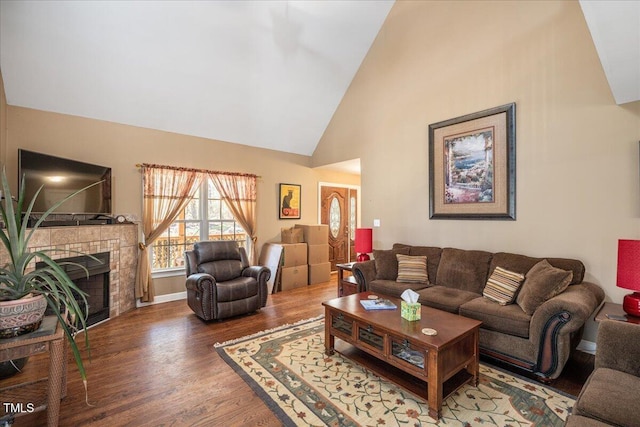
289	201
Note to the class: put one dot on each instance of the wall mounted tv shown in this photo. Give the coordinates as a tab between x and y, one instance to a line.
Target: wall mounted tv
60	177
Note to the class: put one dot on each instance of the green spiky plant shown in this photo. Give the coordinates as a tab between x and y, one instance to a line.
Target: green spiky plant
18	280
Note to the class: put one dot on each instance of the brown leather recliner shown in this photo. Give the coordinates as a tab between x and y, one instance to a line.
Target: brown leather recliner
220	282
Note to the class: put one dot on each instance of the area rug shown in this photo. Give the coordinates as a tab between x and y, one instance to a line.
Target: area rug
288	369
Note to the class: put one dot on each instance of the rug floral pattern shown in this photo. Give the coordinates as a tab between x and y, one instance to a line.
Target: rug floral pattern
287	367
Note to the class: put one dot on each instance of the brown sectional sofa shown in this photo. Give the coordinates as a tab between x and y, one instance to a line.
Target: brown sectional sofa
539	342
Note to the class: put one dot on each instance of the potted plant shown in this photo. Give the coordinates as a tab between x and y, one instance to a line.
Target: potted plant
49	286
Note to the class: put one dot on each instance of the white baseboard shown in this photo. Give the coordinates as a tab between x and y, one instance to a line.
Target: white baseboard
163	298
587	347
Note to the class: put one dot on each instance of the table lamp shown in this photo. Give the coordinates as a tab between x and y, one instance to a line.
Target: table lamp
629	274
364	243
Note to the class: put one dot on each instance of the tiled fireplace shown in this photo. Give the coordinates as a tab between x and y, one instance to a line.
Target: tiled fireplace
120	241
91	273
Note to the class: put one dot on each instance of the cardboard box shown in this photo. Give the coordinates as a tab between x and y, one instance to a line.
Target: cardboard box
294	277
291	235
317	234
318	254
294	254
410	311
319	273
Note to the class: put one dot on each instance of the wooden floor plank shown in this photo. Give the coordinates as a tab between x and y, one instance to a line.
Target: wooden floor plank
156	366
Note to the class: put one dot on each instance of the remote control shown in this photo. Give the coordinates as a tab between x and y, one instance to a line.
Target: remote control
617	317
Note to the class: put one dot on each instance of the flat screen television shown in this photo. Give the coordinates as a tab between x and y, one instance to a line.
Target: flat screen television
60	177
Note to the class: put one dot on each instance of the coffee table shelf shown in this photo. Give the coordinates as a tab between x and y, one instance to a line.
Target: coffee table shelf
386	336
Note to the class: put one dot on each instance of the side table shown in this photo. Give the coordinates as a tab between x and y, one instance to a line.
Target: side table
614	310
29	397
347	285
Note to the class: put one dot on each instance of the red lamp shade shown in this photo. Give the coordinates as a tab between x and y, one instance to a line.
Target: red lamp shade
364	243
629	274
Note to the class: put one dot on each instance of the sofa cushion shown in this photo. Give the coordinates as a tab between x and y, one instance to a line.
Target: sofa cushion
503	286
616	338
412	269
387	263
541	283
463	269
522	264
508	319
608	396
444	298
431	252
393	288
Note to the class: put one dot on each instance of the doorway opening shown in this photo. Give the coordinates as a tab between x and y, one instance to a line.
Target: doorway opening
339	209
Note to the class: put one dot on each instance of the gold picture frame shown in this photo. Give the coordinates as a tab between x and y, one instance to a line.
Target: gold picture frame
472	166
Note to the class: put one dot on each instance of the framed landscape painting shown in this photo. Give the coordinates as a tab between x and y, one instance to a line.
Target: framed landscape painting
472	162
289	201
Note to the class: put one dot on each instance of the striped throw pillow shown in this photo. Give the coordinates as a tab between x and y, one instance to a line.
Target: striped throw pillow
503	285
412	269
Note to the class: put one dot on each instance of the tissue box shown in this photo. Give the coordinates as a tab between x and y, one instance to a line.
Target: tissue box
410	311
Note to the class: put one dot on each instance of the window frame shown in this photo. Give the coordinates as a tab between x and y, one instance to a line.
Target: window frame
204	222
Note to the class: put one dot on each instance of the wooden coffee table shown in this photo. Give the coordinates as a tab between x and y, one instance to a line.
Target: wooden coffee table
401	343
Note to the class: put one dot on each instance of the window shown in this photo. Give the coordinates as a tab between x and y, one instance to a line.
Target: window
204	218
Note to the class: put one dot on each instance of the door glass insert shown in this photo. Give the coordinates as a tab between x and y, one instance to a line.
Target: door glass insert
334	217
352	218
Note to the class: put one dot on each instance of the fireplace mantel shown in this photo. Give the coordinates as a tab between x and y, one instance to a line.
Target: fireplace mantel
120	240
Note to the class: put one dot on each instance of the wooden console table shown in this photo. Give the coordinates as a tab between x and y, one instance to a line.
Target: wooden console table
29	397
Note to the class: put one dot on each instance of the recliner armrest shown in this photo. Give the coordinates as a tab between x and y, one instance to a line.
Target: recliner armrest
618	347
255	271
198	281
261	274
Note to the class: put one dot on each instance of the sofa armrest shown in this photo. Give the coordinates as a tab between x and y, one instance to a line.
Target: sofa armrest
261	274
618	347
558	322
364	272
578	301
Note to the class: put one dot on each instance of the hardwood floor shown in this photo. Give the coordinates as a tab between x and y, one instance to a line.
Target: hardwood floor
156	366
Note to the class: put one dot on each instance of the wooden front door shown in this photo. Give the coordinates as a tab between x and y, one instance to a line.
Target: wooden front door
338	211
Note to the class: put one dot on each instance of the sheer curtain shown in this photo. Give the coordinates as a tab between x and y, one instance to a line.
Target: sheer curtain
166	191
239	192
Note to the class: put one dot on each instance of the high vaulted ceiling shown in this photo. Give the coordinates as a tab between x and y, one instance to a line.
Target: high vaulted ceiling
261	73
615	29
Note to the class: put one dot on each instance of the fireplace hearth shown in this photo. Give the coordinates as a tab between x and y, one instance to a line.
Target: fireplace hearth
95	284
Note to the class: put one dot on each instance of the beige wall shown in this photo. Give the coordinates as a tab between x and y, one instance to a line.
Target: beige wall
121	147
577	151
